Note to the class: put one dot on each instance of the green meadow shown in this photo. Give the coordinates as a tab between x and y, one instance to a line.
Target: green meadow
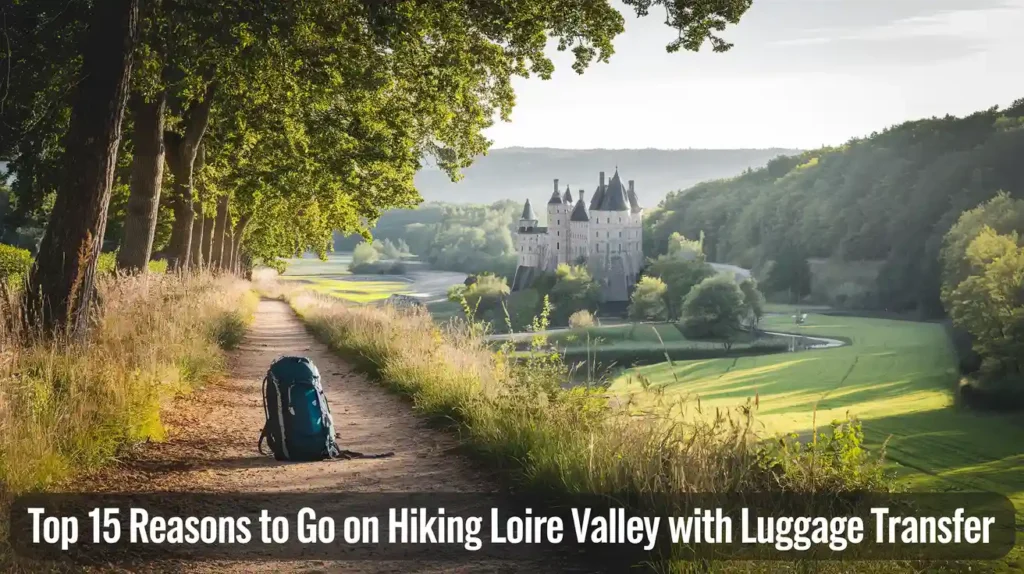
331	277
356	289
896	376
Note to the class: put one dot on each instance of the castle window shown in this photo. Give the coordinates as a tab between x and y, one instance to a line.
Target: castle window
598	246
559	221
620	234
597	234
558	245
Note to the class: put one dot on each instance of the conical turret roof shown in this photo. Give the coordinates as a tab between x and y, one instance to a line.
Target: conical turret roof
528	214
595	202
615	195
579	213
567	198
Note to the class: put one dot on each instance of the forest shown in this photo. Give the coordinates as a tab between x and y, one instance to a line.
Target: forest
872	212
451	237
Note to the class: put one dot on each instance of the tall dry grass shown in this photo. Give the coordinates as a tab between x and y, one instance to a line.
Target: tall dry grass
67	408
516	415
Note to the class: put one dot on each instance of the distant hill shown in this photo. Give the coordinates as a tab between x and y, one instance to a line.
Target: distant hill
517	173
877	207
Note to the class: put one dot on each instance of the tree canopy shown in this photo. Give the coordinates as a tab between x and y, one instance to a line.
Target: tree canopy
983	282
284	121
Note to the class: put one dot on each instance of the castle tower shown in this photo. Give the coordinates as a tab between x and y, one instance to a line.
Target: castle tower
558	216
611	262
579	232
529	238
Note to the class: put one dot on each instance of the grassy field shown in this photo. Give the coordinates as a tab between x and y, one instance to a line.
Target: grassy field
896	376
331	277
354	289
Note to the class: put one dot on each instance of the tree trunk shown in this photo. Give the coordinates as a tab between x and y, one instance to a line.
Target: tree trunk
229	242
236	240
195	253
181	205
147	175
207	251
181	157
220	233
62	278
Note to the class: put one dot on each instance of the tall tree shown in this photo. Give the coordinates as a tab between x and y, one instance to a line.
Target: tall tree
220	232
182	148
146	180
62	279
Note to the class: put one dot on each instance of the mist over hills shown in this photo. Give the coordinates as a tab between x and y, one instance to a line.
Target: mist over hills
518	173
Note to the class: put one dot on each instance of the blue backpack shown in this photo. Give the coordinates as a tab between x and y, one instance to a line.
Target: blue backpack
299	425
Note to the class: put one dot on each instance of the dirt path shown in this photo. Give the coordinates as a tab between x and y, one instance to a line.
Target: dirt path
211	446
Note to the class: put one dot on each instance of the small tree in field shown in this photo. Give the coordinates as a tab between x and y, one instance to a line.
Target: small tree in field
679	276
713	310
648	301
364	254
753	301
574	290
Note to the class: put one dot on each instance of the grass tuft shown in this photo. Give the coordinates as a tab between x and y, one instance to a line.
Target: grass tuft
68	408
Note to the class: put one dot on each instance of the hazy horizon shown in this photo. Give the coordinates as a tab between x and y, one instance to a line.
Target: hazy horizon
802	74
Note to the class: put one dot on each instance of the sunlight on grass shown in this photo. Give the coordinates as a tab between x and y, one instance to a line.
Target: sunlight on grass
896	376
352	288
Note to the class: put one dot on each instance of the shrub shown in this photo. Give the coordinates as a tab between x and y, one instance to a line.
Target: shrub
485	294
106	264
713	310
14	263
833	462
378	268
648	300
574	290
158	266
581	319
364	254
522	306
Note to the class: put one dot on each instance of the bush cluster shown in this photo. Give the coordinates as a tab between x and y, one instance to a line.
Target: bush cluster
14	263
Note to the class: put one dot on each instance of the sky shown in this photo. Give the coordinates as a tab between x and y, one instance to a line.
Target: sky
802	74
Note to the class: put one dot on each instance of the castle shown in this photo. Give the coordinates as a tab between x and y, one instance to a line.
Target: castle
606	237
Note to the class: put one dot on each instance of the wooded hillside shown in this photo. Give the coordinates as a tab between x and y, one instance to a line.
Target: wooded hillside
887	199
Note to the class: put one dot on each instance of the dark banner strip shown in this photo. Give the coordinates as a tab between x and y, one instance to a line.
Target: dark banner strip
465	527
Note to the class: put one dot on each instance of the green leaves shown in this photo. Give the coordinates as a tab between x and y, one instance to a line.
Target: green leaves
697	21
324	109
989	301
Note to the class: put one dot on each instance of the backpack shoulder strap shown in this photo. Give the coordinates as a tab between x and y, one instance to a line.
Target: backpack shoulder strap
350	454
